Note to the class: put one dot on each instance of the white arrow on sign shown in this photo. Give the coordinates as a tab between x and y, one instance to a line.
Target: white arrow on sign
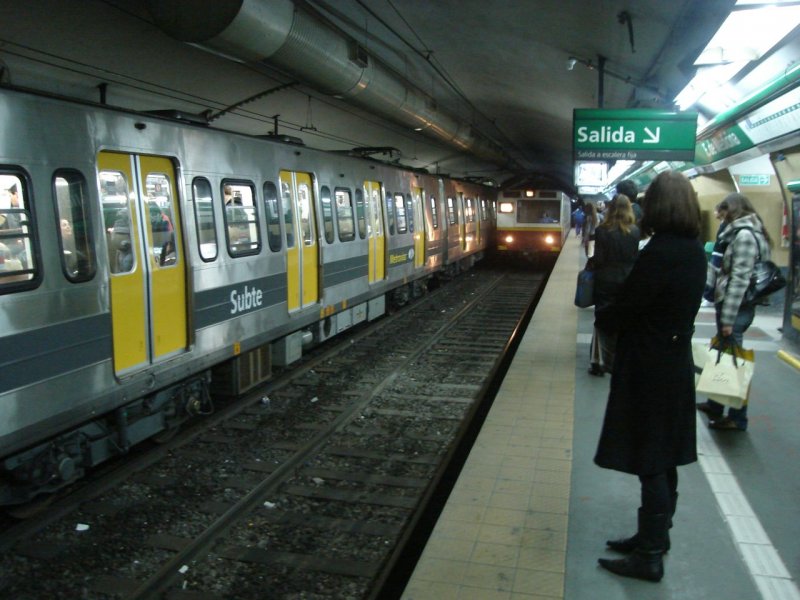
654	137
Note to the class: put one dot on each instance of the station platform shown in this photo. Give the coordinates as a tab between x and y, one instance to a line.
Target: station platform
530	513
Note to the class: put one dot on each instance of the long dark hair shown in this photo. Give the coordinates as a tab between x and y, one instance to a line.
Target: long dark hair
737	206
670	206
590	210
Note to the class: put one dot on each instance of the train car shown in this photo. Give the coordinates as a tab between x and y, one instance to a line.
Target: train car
532	223
146	262
468	222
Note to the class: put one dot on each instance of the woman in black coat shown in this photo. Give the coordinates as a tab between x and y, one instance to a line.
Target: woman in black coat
649	426
616	246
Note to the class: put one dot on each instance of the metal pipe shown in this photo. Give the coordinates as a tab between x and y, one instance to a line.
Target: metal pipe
601	73
293	39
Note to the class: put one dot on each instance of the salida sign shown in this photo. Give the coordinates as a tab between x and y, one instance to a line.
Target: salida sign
635	134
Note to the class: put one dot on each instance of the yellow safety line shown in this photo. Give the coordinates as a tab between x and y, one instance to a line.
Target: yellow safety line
789	358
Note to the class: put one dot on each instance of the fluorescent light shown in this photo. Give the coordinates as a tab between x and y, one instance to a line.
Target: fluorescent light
749	32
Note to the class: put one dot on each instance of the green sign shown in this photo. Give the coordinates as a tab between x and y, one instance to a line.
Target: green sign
634	134
753	180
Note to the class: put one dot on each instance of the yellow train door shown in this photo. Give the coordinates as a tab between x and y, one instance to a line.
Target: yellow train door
302	253
147	266
419	227
375	235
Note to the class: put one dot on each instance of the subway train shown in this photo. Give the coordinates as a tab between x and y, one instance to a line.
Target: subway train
147	263
532	223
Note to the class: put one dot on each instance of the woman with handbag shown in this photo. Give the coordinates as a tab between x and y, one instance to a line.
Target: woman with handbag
745	240
616	246
649	425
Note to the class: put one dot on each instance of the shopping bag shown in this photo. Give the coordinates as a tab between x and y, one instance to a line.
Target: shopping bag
584	292
727	373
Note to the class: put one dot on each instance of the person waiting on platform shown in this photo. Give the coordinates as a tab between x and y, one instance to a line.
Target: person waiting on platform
12	224
743	240
230	198
615	249
577	216
589	225
649	426
12	219
628	187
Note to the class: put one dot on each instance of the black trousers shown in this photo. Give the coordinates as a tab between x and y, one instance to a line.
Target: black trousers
658	491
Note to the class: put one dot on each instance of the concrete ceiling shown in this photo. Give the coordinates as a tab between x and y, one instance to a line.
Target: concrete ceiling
500	67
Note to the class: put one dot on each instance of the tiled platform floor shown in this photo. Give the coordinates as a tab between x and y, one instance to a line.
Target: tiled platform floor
530	512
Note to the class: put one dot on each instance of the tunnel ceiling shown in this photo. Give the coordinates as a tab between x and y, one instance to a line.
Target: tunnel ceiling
488	83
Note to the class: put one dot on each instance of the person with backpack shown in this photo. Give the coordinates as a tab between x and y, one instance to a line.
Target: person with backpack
745	241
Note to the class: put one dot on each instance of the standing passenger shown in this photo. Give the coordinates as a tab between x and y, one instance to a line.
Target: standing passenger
628	187
12	218
715	262
649	425
577	215
744	240
615	250
589	226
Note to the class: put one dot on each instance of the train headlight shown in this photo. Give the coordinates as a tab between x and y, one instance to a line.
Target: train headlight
509	239
549	239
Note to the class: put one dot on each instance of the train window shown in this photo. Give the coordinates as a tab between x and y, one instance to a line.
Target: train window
434	213
288	213
469	211
75	225
527	212
162	230
204	219
451	211
376	213
117	219
361	214
400	211
344	214
327	212
273	213
549	211
241	219
410	213
484	210
17	259
305	205
390	212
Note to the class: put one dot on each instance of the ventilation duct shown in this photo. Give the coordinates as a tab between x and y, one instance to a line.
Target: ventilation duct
281	34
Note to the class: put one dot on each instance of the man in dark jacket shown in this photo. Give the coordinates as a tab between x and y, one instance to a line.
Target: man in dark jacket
649	425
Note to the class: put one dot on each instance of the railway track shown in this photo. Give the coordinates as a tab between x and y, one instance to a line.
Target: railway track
309	490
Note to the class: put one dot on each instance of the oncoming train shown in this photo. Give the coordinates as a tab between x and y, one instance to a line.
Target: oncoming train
532	223
143	260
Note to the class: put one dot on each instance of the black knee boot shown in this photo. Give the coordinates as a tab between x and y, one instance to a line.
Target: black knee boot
628	545
645	562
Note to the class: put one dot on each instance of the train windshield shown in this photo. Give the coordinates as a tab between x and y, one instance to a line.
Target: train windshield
538	211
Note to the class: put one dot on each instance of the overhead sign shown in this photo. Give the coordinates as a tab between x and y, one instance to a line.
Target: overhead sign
753	180
633	134
765	123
